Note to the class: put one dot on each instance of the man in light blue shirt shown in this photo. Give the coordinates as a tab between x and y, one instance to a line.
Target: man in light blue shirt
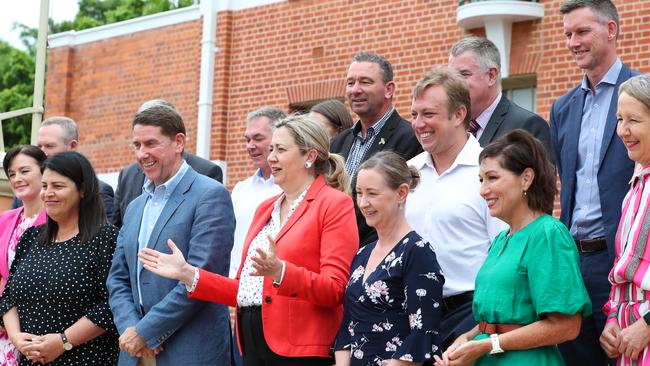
592	161
158	324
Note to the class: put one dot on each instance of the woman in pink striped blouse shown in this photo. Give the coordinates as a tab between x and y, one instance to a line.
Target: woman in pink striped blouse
627	333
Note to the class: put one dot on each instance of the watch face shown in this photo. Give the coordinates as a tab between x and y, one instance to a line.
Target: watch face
67	346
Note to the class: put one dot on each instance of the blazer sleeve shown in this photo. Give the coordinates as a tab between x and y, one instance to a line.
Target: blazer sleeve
538	127
117	200
107	195
211	238
215	288
215	173
338	243
554	143
120	295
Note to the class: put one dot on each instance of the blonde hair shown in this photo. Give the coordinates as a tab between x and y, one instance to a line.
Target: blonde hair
309	134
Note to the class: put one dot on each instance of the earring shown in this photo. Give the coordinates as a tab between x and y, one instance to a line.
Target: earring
525	193
308	164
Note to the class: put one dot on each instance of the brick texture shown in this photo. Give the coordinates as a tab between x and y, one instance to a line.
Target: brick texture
290	52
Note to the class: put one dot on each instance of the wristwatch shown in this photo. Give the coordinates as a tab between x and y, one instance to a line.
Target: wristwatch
66	343
496	347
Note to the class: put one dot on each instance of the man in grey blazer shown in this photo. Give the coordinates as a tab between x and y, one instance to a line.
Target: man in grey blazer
131	178
158	324
477	60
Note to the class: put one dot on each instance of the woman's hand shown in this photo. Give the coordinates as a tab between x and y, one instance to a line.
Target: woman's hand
610	340
444	360
20	340
468	352
633	339
267	264
44	349
171	266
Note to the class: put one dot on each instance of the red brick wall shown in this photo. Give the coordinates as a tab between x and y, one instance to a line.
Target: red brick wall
266	51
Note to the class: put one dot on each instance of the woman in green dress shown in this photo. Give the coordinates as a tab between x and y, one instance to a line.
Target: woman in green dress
529	293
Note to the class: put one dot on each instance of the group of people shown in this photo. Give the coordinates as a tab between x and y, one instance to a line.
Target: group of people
378	242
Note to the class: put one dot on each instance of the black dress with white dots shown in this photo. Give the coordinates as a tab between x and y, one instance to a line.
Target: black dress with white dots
54	285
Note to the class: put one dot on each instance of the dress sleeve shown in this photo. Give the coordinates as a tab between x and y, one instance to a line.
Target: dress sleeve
7	301
100	314
552	259
343	337
423	282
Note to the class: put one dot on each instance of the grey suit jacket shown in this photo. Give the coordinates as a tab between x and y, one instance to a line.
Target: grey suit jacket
199	218
131	179
509	116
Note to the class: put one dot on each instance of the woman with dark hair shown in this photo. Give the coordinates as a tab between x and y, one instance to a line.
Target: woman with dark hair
22	165
56	305
391	314
333	115
529	293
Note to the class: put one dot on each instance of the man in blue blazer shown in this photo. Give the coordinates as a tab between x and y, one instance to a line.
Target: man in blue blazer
592	162
158	324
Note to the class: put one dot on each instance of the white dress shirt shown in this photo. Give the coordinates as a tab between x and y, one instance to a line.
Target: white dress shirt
448	212
246	196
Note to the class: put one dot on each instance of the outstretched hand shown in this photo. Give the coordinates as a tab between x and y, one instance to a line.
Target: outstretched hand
165	265
266	263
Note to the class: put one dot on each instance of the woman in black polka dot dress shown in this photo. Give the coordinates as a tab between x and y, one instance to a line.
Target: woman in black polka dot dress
56	304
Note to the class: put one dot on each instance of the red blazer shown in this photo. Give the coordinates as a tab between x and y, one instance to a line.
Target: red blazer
318	242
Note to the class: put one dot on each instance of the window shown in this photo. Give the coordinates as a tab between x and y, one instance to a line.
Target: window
522	89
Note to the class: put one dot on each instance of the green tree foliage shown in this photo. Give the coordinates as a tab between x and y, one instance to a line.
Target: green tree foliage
16	92
17	66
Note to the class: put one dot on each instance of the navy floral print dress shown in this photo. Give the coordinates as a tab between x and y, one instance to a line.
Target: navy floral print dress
396	312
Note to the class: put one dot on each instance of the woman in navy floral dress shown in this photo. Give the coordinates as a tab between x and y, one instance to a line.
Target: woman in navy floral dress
392	301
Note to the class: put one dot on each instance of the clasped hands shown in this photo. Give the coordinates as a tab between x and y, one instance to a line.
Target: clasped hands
133	344
39	349
463	352
628	342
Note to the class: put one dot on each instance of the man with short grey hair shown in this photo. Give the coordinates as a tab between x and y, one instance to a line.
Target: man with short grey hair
477	60
369	89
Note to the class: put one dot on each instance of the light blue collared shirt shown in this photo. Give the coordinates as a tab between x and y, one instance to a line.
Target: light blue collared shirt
587	221
157	198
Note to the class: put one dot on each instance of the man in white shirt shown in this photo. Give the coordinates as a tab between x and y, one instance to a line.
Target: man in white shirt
249	193
446	207
478	61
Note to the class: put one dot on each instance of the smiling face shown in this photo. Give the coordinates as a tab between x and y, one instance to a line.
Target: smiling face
158	155
590	40
60	195
24	175
434	128
379	204
634	128
367	94
287	162
502	189
258	138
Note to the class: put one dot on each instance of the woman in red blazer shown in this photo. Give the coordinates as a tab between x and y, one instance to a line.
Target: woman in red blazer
295	264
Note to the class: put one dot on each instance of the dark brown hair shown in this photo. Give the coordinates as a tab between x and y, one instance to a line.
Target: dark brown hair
518	150
28	150
335	112
168	119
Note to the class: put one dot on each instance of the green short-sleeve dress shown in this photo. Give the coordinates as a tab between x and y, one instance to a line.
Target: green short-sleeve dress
526	275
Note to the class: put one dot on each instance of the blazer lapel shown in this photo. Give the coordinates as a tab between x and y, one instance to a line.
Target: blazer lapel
302	207
495	121
610	123
384	135
574	122
131	236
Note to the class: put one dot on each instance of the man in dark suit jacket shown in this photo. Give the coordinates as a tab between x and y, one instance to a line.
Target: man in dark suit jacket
131	179
59	134
477	60
587	152
369	90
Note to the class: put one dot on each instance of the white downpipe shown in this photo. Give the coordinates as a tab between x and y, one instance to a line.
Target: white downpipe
206	81
39	77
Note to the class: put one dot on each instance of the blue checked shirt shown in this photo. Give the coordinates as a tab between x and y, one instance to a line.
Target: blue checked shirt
360	146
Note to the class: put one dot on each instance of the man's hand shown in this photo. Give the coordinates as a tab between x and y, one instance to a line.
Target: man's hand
610	340
131	343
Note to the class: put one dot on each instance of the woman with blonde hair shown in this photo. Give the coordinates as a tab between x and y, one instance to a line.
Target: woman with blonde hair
295	264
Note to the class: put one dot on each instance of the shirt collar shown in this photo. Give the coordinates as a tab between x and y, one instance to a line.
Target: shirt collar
467	156
484	117
610	77
377	126
149	187
258	177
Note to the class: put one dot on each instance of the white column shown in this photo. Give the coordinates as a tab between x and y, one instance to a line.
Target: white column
206	79
499	31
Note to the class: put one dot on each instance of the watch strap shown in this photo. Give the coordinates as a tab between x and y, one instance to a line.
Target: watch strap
496	347
646	317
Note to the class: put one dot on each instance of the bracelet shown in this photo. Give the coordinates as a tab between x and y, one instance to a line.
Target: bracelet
195	281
